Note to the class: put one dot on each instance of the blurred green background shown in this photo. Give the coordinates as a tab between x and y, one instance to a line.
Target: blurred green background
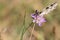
15	18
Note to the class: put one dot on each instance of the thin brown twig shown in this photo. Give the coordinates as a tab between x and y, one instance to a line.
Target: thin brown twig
32	32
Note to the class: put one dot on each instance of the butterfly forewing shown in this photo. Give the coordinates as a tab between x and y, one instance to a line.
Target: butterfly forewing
48	9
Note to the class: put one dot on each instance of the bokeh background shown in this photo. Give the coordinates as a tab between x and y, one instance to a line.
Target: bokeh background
15	20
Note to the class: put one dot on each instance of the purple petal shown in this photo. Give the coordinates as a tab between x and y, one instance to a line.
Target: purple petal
42	20
33	16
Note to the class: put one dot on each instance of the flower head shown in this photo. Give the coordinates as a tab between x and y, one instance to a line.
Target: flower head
38	19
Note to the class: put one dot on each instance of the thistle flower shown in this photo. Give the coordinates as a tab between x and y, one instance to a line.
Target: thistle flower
39	20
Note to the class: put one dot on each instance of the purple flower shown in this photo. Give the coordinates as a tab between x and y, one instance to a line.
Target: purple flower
38	19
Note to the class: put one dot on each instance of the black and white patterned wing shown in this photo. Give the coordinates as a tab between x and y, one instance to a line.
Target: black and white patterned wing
48	9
